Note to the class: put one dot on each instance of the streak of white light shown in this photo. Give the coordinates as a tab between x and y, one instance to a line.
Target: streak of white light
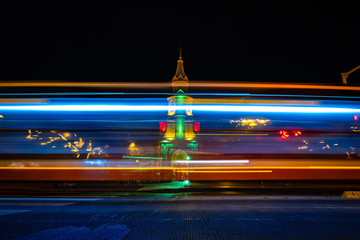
209	108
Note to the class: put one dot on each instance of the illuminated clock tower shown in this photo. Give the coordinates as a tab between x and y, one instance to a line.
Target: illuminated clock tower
179	129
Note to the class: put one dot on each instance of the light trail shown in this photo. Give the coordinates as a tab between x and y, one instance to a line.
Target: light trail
141	157
213	161
269	85
204	84
177	168
250	171
243	101
208	108
168	94
229	134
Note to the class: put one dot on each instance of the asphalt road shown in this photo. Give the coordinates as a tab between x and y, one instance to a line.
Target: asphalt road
180	216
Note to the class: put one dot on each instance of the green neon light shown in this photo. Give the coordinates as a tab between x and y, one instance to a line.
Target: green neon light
141	157
180	128
180	91
193	141
188	158
166	141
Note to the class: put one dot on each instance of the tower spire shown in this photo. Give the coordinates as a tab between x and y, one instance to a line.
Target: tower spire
180	53
180	80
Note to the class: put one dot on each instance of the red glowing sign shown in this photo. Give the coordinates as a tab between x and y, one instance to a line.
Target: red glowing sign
196	126
162	126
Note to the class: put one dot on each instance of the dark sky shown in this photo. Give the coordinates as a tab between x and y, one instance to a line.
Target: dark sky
269	41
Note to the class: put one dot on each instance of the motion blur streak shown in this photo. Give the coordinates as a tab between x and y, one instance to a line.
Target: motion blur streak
173	168
202	84
211	108
230	171
162	136
213	161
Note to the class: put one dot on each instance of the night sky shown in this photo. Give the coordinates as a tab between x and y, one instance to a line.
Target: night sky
269	41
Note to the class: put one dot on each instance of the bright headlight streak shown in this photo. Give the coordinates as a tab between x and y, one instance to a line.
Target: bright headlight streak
212	161
87	108
208	108
274	109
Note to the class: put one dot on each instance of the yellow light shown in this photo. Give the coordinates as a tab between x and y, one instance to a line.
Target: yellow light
67	134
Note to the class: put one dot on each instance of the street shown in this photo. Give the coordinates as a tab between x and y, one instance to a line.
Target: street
180	216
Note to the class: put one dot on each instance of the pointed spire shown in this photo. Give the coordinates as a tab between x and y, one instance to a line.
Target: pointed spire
180	72
180	80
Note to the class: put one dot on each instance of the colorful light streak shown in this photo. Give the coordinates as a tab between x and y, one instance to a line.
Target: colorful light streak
213	161
167	94
149	108
181	168
204	84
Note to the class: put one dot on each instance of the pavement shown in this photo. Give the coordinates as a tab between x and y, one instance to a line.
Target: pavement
180	216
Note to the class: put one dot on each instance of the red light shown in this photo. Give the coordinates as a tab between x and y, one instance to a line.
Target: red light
196	126
356	117
162	126
297	133
284	134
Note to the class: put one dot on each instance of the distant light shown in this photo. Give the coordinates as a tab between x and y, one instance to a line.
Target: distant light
186	182
356	117
188	158
284	135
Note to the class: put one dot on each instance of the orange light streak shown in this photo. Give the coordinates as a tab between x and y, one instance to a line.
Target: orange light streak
172	168
23	100
254	171
162	85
